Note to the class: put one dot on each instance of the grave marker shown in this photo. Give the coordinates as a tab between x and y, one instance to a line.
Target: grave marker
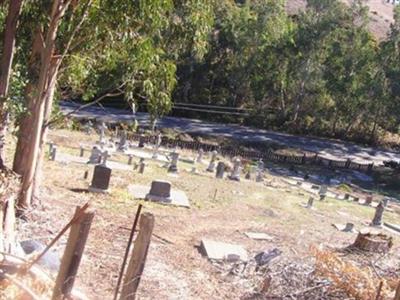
173	168
160	191
211	166
220	170
101	179
235	175
377	220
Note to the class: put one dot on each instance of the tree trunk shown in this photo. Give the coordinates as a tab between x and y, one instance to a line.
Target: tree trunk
14	10
42	100
25	128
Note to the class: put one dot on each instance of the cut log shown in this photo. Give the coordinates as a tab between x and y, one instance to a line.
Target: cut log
374	242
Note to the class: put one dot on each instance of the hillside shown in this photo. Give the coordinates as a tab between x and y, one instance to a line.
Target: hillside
381	14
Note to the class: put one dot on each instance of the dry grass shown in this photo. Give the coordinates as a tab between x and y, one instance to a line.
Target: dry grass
175	269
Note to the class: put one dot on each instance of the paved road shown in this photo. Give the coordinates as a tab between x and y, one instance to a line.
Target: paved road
325	147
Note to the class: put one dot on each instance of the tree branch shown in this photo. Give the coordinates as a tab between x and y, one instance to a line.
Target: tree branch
58	118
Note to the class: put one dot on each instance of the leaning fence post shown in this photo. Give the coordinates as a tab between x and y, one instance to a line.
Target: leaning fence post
72	255
138	258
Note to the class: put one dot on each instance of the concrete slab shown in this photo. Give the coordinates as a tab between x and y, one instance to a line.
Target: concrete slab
259	236
178	198
67	158
223	251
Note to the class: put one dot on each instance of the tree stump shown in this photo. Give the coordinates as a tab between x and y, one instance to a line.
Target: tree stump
374	242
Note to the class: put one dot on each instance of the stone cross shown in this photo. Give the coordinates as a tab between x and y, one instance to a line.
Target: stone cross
105	157
377	220
101	179
235	175
102	128
142	165
160	191
199	158
173	168
211	166
220	170
95	156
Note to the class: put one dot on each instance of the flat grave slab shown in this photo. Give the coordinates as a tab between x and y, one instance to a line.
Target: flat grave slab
223	251
68	158
177	197
259	236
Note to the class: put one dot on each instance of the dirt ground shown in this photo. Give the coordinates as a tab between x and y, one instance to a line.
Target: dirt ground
220	209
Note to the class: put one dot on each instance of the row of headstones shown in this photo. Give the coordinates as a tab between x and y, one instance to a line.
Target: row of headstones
218	168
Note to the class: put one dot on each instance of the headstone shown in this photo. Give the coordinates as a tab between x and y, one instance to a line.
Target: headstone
235	175
157	146
194	170
260	171
141	141
369	200
102	128
173	168
310	202
346	196
101	179
53	153
142	165
385	201
220	170
123	145
322	192
377	220
88	127
51	145
211	166
82	151
95	156
160	191
130	158
200	154
248	175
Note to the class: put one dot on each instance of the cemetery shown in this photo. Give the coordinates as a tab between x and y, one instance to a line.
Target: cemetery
240	229
200	149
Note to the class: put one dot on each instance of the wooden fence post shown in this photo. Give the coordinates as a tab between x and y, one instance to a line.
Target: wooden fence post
72	255
138	258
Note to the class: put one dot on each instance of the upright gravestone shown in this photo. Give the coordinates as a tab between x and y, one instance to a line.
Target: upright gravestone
248	175
51	145
211	166
310	202
88	127
102	128
369	199
141	141
53	153
101	179
123	145
160	191
377	220
260	171
130	158
173	168
199	158
385	201
322	192
142	165
220	170
82	151
235	175
95	156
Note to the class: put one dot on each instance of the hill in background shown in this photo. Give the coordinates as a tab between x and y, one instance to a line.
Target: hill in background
381	14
